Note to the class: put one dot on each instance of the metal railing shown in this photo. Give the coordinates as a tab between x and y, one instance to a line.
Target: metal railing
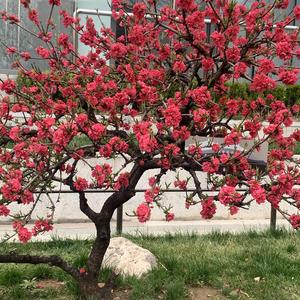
119	220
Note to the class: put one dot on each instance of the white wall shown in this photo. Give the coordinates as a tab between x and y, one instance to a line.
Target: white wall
67	205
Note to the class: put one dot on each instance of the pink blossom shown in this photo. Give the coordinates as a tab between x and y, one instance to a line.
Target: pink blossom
266	65
122	181
139	10
228	195
219	39
211	166
43	52
7	86
102	174
240	69
200	95
147	143
25	3
67	19
33	16
233	54
152	181
284	50
96	131
297	12
143	213
186	4
262	82
295	221
11	50
170	217
200	117
208	208
81	184
282	4
233	138
55	2
179	66
25	55
4	210
41	226
288	77
14	134
181	133
172	115
215	147
24	234
182	184
117	50
208	64
233	210
151	194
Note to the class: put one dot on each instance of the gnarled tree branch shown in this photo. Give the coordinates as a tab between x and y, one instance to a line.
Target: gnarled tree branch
52	260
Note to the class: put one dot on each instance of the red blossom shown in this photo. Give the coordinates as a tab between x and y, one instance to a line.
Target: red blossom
208	208
179	66
170	217
122	181
81	184
139	10
295	221
262	82
228	195
55	2
172	115
288	77
25	3
182	184
24	234
33	16
4	211
143	212
41	226
297	12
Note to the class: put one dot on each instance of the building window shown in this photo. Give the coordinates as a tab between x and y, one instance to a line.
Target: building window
13	36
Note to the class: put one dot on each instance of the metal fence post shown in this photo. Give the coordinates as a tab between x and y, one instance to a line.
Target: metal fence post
273	219
120	219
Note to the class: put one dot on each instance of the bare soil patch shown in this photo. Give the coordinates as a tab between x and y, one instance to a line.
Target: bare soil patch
121	294
205	293
49	283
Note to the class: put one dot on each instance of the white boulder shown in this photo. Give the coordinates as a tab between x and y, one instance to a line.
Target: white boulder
128	259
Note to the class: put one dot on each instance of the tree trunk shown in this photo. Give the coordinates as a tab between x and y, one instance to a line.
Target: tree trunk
88	284
91	291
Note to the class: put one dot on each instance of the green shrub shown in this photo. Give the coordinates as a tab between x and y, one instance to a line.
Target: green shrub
289	94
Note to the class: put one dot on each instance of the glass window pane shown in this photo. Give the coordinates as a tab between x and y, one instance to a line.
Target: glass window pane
3	56
94	4
27	41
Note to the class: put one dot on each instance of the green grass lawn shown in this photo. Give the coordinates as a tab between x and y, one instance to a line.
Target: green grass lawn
258	266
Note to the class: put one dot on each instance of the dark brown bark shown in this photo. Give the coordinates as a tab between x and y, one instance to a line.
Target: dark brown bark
91	291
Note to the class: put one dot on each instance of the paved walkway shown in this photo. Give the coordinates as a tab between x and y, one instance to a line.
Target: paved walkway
86	230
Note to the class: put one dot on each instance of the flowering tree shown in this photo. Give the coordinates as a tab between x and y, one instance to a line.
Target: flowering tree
165	86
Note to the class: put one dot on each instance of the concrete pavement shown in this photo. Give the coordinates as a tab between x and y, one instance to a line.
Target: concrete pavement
86	230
